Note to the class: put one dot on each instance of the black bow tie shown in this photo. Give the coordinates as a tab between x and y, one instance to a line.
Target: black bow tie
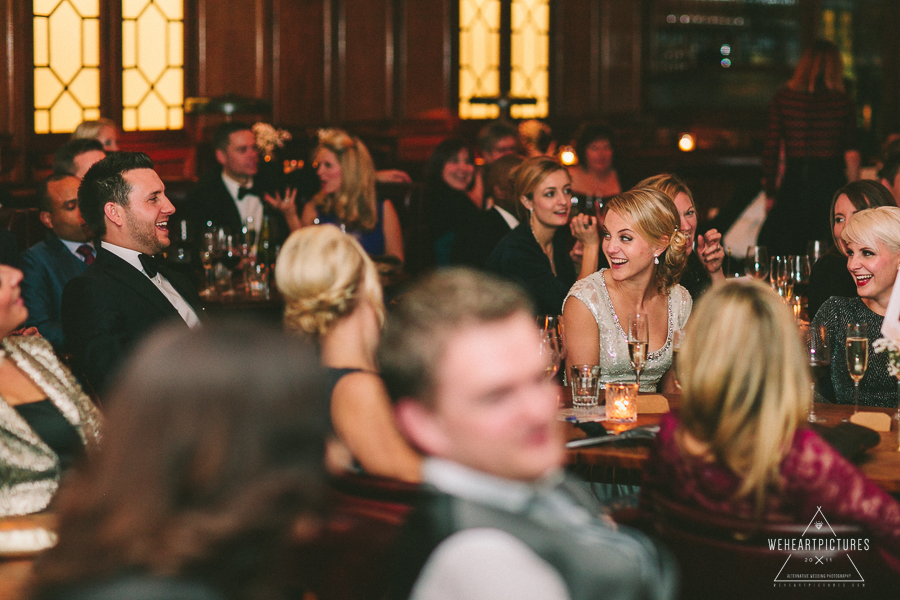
151	265
243	191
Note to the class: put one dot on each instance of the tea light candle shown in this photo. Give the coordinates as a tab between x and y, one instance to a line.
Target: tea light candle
621	405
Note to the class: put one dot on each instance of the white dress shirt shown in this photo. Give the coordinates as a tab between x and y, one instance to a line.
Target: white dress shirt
508	217
131	257
250	206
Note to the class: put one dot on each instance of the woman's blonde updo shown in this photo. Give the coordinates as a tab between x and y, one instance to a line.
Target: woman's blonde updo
654	216
323	274
354	204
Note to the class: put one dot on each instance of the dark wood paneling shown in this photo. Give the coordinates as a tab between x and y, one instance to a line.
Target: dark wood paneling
576	59
231	53
298	66
365	68
620	55
425	69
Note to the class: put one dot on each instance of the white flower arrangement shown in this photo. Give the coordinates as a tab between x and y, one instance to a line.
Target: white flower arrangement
892	349
268	138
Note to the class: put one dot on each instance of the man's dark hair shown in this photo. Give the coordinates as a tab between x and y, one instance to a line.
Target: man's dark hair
104	183
222	134
64	158
45	202
421	324
888	170
492	133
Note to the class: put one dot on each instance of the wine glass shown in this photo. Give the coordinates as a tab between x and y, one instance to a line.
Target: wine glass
780	277
638	338
552	325
819	355
857	356
800	270
815	249
208	259
757	264
549	349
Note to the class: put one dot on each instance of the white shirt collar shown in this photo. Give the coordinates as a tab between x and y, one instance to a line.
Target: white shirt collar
464	482
233	186
74	246
512	221
127	254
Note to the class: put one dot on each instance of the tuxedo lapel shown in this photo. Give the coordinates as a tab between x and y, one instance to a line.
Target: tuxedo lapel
136	280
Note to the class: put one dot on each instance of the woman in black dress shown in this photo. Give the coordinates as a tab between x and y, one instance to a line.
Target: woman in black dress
536	253
829	275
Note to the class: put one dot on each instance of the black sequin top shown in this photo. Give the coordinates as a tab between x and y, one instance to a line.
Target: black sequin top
878	387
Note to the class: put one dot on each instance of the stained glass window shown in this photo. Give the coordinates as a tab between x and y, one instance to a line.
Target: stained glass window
479	57
152	62
529	71
66	64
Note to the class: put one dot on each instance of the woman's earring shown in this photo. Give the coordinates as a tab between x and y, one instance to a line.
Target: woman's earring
656	260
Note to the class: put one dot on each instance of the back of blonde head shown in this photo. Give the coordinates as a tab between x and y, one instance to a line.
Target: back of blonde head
354	204
323	274
744	380
654	216
668	184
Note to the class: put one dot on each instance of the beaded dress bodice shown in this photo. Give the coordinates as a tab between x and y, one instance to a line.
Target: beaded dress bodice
615	365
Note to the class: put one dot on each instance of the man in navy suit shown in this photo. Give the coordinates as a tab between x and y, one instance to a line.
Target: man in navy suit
126	292
65	253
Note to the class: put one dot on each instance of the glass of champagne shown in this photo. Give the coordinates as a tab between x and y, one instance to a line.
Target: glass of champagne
819	354
857	356
549	349
757	264
638	338
677	339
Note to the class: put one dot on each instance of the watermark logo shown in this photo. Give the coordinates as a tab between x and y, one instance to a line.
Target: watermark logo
819	557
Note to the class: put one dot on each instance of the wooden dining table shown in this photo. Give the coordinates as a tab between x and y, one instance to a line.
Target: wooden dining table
880	464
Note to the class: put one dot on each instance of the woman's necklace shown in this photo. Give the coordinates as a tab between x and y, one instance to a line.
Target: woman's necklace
549	254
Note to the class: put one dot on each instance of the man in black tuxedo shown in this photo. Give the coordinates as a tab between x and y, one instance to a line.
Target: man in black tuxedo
126	292
65	253
233	197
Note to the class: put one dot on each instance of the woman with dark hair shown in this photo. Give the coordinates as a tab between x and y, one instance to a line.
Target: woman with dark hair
449	177
211	469
830	276
536	253
594	178
814	120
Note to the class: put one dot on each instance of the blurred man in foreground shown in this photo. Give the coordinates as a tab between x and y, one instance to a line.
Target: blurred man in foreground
460	359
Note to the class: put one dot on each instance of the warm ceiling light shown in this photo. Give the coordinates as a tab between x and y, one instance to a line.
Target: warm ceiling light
686	143
567	156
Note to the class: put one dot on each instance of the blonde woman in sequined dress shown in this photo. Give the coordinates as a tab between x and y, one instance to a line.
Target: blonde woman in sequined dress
46	420
647	254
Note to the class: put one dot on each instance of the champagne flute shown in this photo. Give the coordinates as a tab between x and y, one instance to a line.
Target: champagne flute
815	249
757	264
677	339
638	338
819	354
857	356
